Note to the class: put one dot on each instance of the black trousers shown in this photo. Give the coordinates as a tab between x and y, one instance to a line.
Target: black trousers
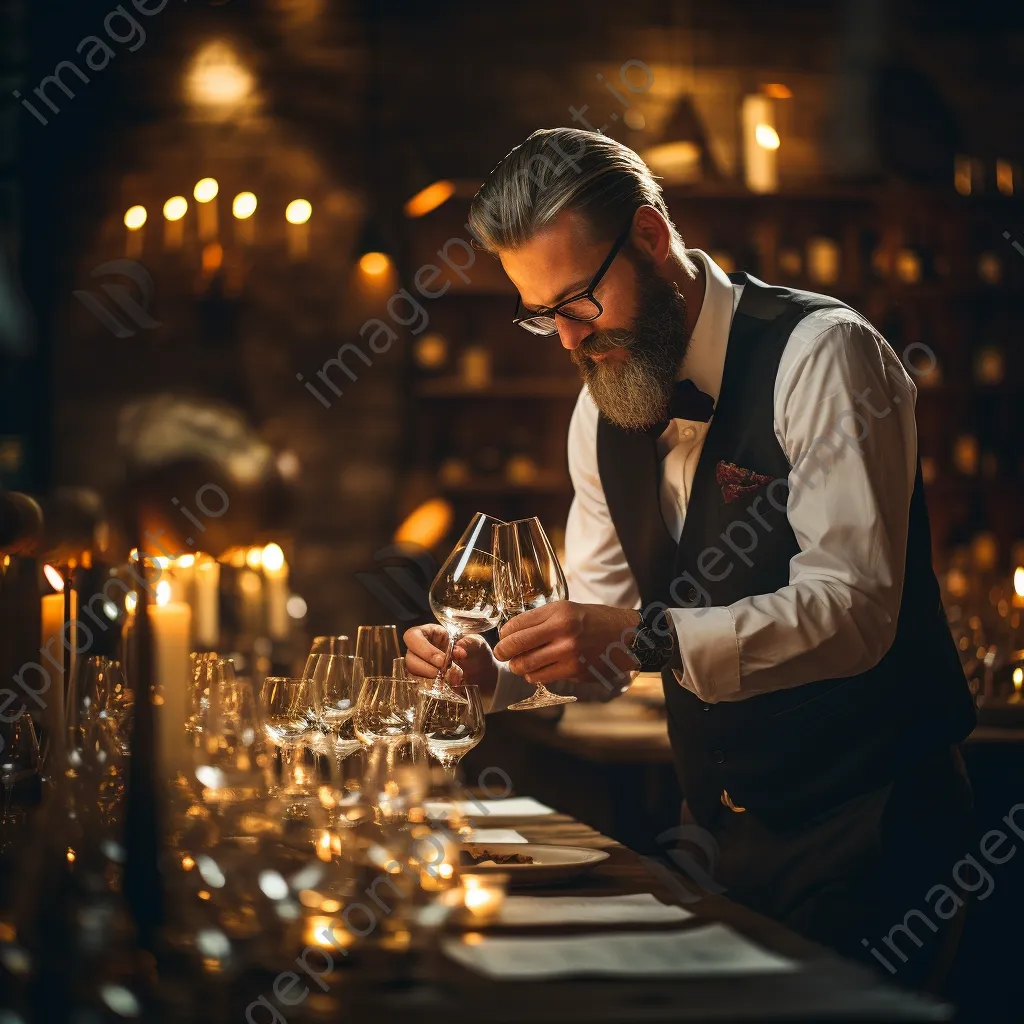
856	878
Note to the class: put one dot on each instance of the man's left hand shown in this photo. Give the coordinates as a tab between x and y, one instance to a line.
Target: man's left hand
558	641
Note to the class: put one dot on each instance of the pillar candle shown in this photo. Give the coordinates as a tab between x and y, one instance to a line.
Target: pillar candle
207	604
52	642
206	214
298	240
277	602
759	162
171	624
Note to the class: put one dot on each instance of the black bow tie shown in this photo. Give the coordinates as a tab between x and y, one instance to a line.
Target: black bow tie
688	402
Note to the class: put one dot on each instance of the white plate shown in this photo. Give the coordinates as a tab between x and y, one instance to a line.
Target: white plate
551	864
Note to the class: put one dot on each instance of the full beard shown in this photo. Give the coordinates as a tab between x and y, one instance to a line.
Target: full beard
634	393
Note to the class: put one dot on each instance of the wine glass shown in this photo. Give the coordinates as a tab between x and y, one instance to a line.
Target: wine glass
462	594
527	576
325	645
387	708
338	680
289	707
378	647
452	728
20	757
227	737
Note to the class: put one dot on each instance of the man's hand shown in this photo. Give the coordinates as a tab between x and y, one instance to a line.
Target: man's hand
559	641
472	663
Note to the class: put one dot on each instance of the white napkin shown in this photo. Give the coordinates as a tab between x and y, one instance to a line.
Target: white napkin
712	950
638	908
511	807
495	835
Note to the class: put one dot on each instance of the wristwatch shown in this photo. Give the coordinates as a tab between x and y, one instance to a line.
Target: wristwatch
653	647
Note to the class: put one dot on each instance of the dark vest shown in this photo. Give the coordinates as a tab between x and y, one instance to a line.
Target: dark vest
788	755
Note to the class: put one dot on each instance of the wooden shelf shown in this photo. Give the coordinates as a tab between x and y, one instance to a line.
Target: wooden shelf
509	387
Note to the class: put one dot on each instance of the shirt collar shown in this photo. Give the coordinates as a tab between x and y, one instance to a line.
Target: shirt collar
704	362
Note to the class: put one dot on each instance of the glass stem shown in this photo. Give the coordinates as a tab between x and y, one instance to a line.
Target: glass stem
449	655
288	757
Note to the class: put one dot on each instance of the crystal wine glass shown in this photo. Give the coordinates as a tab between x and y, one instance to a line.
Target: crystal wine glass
452	728
378	647
462	595
527	576
289	705
325	645
387	708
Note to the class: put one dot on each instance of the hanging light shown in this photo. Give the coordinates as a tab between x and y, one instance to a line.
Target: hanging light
429	198
373	251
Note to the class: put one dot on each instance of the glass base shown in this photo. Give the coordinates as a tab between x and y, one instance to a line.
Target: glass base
545	699
442	691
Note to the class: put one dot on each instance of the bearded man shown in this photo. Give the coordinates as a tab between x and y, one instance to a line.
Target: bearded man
749	520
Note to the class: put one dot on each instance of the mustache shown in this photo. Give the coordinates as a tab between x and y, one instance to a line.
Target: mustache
599	344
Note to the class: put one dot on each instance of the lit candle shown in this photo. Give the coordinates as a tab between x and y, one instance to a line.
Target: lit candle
134	219
171	624
760	144
207	604
1018	587
205	194
242	208
52	620
297	214
483	897
174	222
275	572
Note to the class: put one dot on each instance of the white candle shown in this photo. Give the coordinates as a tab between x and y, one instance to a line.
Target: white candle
760	144
207	604
277	602
52	643
171	624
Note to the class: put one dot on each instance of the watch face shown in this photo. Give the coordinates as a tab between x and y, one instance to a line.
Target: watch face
653	651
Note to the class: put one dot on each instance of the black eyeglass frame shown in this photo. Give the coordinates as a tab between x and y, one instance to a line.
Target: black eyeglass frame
588	293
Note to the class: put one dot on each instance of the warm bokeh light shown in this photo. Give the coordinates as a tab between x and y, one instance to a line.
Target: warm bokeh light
1004	177
777	91
298	211
673	159
163	593
131	600
374	263
243	205
206	189
273	557
1018	581
427	524
53	577
135	217
175	208
766	136
296	607
217	77
254	558
1018	678
185	562
429	198
213	257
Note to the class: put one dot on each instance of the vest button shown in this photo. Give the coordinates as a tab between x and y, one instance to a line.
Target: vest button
691	594
705	707
718	756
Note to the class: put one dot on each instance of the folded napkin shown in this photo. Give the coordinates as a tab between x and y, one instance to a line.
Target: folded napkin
494	835
712	950
638	908
511	807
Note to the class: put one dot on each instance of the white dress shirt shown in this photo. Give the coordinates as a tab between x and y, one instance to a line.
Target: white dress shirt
844	416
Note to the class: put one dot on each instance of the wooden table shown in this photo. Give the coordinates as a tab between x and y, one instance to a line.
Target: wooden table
826	988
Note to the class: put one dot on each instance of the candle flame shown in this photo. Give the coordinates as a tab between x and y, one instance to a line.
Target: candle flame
273	557
206	189
163	593
1018	581
766	136
254	558
1018	678
53	577
374	263
175	208
135	217
244	205
298	211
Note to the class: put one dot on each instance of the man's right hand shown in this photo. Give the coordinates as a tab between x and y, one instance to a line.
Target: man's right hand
473	662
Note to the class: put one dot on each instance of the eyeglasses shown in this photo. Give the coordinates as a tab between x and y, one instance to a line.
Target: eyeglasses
581	307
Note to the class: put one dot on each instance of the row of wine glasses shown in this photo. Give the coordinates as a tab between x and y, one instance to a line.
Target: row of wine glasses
496	571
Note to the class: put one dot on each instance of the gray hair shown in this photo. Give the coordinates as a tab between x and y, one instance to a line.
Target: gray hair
558	169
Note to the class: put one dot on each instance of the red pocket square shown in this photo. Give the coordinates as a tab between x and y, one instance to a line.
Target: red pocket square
736	481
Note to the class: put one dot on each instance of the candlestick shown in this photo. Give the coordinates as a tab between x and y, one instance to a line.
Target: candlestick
171	624
275	572
207	604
